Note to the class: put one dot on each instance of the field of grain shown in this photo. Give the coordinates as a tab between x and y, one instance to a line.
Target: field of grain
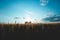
49	27
27	31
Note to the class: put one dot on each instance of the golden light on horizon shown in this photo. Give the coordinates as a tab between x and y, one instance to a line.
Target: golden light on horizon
28	19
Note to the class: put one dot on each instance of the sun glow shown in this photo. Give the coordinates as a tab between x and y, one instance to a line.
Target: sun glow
28	19
28	16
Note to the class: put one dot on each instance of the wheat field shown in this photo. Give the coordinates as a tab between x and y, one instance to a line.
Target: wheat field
40	27
27	31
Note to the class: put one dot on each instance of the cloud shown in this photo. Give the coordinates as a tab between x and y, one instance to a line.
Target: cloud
17	18
43	2
55	18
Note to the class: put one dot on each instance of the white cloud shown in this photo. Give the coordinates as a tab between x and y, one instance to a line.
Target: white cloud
43	2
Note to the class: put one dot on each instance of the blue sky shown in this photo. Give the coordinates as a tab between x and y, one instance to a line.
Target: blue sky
27	10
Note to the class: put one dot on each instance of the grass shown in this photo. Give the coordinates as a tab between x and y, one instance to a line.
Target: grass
27	31
41	27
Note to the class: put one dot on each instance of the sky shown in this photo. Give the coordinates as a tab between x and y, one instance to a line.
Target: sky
29	10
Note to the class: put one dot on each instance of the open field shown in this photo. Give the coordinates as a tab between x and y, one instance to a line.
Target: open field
49	27
27	31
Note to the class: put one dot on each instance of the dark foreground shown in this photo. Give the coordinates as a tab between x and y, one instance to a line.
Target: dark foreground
28	31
